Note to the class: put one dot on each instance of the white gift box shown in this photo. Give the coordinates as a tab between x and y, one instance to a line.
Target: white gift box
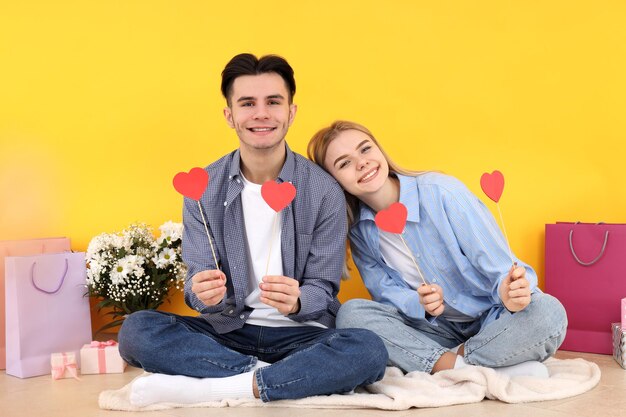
619	344
101	358
63	365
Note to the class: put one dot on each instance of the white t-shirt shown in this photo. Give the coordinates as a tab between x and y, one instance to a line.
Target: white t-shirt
262	234
396	256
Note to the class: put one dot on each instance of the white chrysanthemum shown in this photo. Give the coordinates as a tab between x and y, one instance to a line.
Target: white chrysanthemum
166	257
119	272
170	232
116	241
95	268
98	244
134	264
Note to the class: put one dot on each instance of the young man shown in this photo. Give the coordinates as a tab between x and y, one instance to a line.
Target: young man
266	325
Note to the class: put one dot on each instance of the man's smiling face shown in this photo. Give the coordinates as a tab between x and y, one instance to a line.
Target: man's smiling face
260	111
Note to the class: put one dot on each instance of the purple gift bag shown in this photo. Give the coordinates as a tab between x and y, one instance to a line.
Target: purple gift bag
584	271
23	248
46	310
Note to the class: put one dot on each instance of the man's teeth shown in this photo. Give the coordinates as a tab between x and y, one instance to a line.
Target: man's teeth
261	129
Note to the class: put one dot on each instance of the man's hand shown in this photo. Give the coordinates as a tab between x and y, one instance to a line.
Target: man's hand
282	293
515	290
431	297
209	286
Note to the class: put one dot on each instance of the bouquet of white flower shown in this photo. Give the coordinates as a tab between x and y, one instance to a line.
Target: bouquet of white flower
132	271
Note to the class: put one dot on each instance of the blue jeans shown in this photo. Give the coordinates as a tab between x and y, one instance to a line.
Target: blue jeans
534	333
305	360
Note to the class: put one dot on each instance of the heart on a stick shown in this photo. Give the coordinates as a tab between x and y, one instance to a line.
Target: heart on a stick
278	196
392	219
492	185
192	184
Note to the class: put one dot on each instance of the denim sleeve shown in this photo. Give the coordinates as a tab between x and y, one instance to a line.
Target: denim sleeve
382	287
324	263
480	238
195	247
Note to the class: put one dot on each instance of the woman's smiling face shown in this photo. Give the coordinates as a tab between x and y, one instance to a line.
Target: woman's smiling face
356	163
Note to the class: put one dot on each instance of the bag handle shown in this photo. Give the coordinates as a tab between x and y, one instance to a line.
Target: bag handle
571	247
32	278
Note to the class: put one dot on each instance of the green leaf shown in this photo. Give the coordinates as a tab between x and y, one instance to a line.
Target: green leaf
105	303
115	313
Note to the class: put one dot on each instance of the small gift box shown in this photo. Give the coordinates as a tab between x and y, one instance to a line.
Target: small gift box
63	365
619	344
101	358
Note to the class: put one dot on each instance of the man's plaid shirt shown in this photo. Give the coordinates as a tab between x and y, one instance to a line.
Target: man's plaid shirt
314	228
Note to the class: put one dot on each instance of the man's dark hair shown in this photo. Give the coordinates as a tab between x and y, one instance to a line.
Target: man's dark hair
248	64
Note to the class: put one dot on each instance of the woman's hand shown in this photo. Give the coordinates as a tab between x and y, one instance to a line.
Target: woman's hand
431	297
515	290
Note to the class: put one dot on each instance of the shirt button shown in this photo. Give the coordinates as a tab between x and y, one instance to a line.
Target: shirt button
453	301
242	316
434	280
238	181
230	311
230	177
225	203
417	255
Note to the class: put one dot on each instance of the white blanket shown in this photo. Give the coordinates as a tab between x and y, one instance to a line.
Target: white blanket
568	377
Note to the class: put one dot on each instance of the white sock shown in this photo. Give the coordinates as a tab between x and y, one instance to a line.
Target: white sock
260	364
530	368
459	362
157	388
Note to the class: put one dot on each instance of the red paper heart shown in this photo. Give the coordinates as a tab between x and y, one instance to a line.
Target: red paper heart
392	219
492	185
278	196
192	184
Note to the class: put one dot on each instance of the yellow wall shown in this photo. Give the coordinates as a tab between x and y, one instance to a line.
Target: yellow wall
102	102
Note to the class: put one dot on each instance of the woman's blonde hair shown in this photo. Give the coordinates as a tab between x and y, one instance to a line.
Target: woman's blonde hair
318	147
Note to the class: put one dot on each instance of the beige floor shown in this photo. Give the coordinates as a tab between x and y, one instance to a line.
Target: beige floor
43	397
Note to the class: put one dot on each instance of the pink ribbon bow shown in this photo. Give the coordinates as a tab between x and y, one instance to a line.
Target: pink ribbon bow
102	362
59	370
102	345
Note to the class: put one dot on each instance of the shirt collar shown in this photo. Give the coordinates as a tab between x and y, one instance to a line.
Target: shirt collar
409	196
285	175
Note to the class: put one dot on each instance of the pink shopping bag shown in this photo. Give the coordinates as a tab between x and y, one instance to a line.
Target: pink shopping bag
46	310
584	271
23	248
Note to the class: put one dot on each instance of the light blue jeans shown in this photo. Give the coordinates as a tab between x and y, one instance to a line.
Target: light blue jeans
305	360
533	334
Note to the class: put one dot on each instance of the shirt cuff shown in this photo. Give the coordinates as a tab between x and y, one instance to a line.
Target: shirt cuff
307	306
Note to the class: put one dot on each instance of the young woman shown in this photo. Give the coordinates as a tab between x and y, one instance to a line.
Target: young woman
477	308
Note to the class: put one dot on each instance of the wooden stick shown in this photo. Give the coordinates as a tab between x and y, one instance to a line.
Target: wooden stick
206	228
413	259
505	235
267	266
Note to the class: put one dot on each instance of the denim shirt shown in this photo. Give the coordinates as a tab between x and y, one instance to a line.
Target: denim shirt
313	241
455	241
